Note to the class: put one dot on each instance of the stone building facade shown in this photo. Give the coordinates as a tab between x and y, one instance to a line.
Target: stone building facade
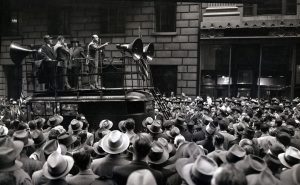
174	67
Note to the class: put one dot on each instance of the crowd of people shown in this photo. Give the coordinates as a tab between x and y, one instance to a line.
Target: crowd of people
226	141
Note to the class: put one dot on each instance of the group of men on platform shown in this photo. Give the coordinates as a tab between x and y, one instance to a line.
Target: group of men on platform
61	66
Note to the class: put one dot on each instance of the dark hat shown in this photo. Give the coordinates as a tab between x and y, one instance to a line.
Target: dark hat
115	142
147	121
273	162
248	131
38	137
50	146
98	148
291	176
173	132
74	40
283	137
55	120
23	135
9	151
57	166
263	178
251	164
47	37
198	172
276	149
235	153
155	127
76	125
158	154
66	139
290	157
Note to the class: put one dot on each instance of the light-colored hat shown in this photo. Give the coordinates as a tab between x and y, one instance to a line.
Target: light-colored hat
23	135
290	157
141	177
105	124
57	166
3	130
115	142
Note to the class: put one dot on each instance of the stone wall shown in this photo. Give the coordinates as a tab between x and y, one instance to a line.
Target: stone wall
178	48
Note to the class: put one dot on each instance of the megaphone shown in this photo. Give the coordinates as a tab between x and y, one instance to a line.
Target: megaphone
148	51
18	53
135	48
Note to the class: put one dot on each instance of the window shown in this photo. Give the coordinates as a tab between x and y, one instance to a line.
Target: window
112	19
269	7
58	21
10	20
165	16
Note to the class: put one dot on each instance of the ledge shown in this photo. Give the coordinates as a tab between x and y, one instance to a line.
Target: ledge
164	33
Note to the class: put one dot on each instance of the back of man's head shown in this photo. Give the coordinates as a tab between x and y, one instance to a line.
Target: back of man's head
141	145
130	124
222	124
82	159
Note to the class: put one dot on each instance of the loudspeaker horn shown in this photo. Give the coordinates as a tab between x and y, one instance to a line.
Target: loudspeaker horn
135	48
148	51
18	53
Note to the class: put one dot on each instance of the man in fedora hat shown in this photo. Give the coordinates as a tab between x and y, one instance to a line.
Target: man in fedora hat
39	141
29	165
47	69
9	152
141	148
77	61
114	144
57	168
229	170
291	176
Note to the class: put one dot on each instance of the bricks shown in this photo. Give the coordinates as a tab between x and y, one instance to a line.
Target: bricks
184	23
189	16
192	69
189	31
142	31
181	38
192	84
190	61
181	84
92	26
163	39
189	91
193	38
194	23
134	25
141	18
182	69
192	53
179	53
182	8
147	24
194	8
163	54
118	40
189	76
188	46
148	10
171	46
167	61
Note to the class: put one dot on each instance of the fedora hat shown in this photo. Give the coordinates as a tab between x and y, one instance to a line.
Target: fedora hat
168	123
141	177
105	124
276	149
38	137
158	154
47	37
55	120
290	157
235	153
9	151
98	148
3	130
66	139
147	121
23	135
121	125
115	142
155	127
263	178
51	146
76	125
164	143
193	150
272	162
251	164
57	166
291	176
173	132
198	172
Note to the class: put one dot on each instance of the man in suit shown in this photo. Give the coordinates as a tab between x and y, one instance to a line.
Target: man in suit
141	148
47	68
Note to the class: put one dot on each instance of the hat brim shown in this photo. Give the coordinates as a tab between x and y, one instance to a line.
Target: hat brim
149	128
70	162
95	146
29	143
5	131
120	127
283	161
163	159
120	149
182	162
186	170
16	166
106	128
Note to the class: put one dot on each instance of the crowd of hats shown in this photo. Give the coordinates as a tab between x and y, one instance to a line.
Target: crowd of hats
222	141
